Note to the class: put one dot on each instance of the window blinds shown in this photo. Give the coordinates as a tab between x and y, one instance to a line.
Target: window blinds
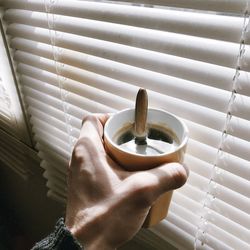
75	57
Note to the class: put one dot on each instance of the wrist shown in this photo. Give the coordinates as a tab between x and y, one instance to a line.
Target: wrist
93	242
97	246
89	232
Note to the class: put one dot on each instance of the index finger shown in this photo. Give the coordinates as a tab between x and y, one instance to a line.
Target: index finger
92	129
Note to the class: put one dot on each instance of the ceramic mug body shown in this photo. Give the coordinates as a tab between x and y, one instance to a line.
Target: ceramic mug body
135	162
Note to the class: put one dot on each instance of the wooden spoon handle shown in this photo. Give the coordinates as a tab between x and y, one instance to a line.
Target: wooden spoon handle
141	112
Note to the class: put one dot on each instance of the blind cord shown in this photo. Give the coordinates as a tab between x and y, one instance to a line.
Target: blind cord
217	173
57	51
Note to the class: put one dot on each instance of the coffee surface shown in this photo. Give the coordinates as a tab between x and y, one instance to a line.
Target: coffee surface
159	140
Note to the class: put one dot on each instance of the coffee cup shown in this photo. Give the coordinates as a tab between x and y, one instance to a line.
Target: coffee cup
142	159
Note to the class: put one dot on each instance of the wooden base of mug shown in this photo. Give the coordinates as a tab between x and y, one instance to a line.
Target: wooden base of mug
159	210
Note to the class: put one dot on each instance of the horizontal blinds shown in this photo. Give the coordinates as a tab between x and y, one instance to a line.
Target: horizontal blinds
207	25
163	63
25	57
201	114
176	87
88	56
164	42
212	5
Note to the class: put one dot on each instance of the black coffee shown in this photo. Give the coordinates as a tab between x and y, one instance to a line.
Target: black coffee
159	140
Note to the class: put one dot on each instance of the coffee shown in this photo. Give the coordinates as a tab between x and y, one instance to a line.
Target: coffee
159	140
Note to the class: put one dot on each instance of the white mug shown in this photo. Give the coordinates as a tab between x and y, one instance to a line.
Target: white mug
138	162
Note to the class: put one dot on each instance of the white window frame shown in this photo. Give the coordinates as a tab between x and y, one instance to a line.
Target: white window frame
18	128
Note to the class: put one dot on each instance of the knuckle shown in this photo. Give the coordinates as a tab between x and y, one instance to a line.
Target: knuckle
179	176
95	124
78	152
90	117
82	159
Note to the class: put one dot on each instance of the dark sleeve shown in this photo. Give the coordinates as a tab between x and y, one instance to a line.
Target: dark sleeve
60	239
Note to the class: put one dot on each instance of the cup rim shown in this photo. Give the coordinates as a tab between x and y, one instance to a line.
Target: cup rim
182	144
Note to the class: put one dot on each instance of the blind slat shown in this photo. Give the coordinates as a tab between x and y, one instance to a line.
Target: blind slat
91	94
52	139
217	206
233	184
214	26
86	104
216	203
230	6
211	51
60	115
53	147
174	235
220	192
41	125
53	171
60	179
165	84
46	165
181	89
57	187
55	158
208	154
205	169
178	107
222	236
212	75
238	6
220	221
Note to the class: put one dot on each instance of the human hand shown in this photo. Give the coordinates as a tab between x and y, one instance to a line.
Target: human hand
107	205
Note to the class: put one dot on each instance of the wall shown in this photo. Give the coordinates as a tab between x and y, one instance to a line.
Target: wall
36	213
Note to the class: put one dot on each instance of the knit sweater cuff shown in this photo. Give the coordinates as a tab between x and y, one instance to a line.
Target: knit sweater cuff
60	239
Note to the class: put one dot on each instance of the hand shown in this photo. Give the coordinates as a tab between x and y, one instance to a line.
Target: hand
107	205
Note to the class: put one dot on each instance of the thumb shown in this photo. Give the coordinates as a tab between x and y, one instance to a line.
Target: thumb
146	186
169	176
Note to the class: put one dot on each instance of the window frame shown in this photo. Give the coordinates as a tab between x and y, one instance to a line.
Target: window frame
20	128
